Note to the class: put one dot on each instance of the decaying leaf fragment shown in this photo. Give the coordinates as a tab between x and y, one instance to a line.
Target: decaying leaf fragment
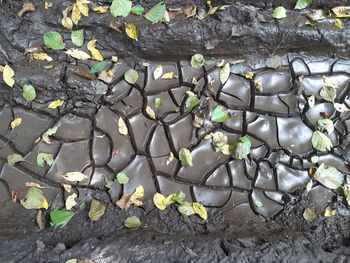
340	12
97	210
41	56
70	201
170	158
309	214
101	9
34	199
158	72
27	7
16	122
66	21
190	10
75	176
78	54
127	200
122	128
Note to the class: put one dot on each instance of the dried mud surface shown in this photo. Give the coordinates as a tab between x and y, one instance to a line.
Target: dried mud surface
87	140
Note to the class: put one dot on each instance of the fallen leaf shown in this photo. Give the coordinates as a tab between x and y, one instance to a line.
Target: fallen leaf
301	4
225	73
75	176
346	193
55	104
70	201
326	124
329	212
8	75
197	122
91	46
330	83
114	59
156	13
338	23
341	107
120	8
122	178
340	11
192	100
27	7
32	184
200	210
170	158
48	133
77	37
186	209
67	187
76	15
41	56
329	176
43	158
158	102
60	218
137	10
258	85
14	158
66	21
78	54
185	157
159	201
48	5
53	40
197	61
83	7
309	186
101	9
321	142
219	140
122	128
150	112
311	101
240	148
249	75
279	12
132	222
34	199
190	10
220	114
97	210
169	75
158	72
16	122
309	214
131	31
131	76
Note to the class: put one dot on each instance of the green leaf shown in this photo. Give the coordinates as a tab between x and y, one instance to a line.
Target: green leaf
98	67
131	76
156	13
326	124
186	209
329	176
60	218
77	37
301	4
200	210
185	157
321	142
191	102
220	114
137	10
29	93
240	148
328	93
34	199
132	222
279	12
53	40
97	210
158	102
178	197
121	8
44	157
197	61
122	178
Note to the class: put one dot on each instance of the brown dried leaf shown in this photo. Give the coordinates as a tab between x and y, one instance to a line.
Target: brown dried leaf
190	10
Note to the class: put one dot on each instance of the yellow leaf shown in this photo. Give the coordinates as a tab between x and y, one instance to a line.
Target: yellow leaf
114	59
97	210
338	23
67	187
249	75
200	210
122	127
101	9
70	201
78	54
150	112
75	176
48	5
169	75
329	212
130	30
41	56
16	122
66	21
91	46
55	104
34	199
159	201
83	7
8	75
75	14
170	158
158	72
139	192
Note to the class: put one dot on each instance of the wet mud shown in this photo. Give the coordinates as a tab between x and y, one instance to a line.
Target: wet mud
277	119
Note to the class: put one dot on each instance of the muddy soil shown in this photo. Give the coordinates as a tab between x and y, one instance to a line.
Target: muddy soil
274	176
